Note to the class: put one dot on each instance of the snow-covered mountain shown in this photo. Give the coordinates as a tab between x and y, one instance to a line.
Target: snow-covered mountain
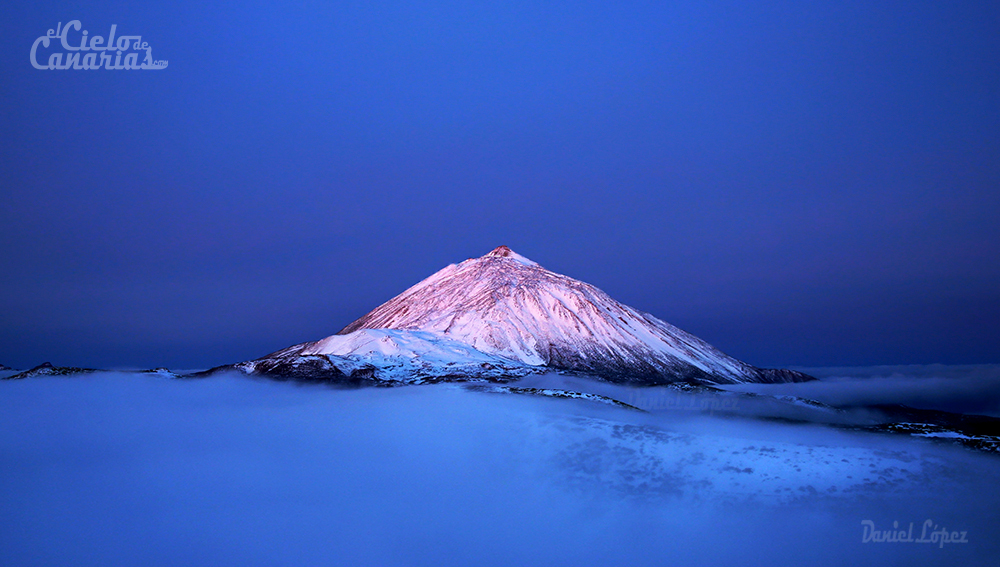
502	316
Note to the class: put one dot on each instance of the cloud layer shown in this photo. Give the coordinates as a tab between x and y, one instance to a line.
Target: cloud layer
127	469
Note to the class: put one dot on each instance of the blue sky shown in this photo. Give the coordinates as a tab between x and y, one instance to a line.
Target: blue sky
798	184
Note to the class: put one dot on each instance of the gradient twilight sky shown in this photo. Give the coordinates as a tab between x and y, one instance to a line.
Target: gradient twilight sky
799	183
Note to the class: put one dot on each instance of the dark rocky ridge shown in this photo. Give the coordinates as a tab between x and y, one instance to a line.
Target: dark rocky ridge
46	369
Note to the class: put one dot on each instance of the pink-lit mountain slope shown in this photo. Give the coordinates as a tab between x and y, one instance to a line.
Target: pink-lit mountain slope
500	317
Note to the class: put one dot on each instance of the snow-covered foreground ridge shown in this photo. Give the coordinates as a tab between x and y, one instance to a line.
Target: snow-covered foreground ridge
500	317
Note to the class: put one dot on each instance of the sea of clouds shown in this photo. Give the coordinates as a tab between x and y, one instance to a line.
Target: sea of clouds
131	469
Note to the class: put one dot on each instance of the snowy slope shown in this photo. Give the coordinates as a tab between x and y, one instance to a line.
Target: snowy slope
390	356
507	305
400	354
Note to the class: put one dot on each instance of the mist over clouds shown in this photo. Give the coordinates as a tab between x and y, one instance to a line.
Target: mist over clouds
959	389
